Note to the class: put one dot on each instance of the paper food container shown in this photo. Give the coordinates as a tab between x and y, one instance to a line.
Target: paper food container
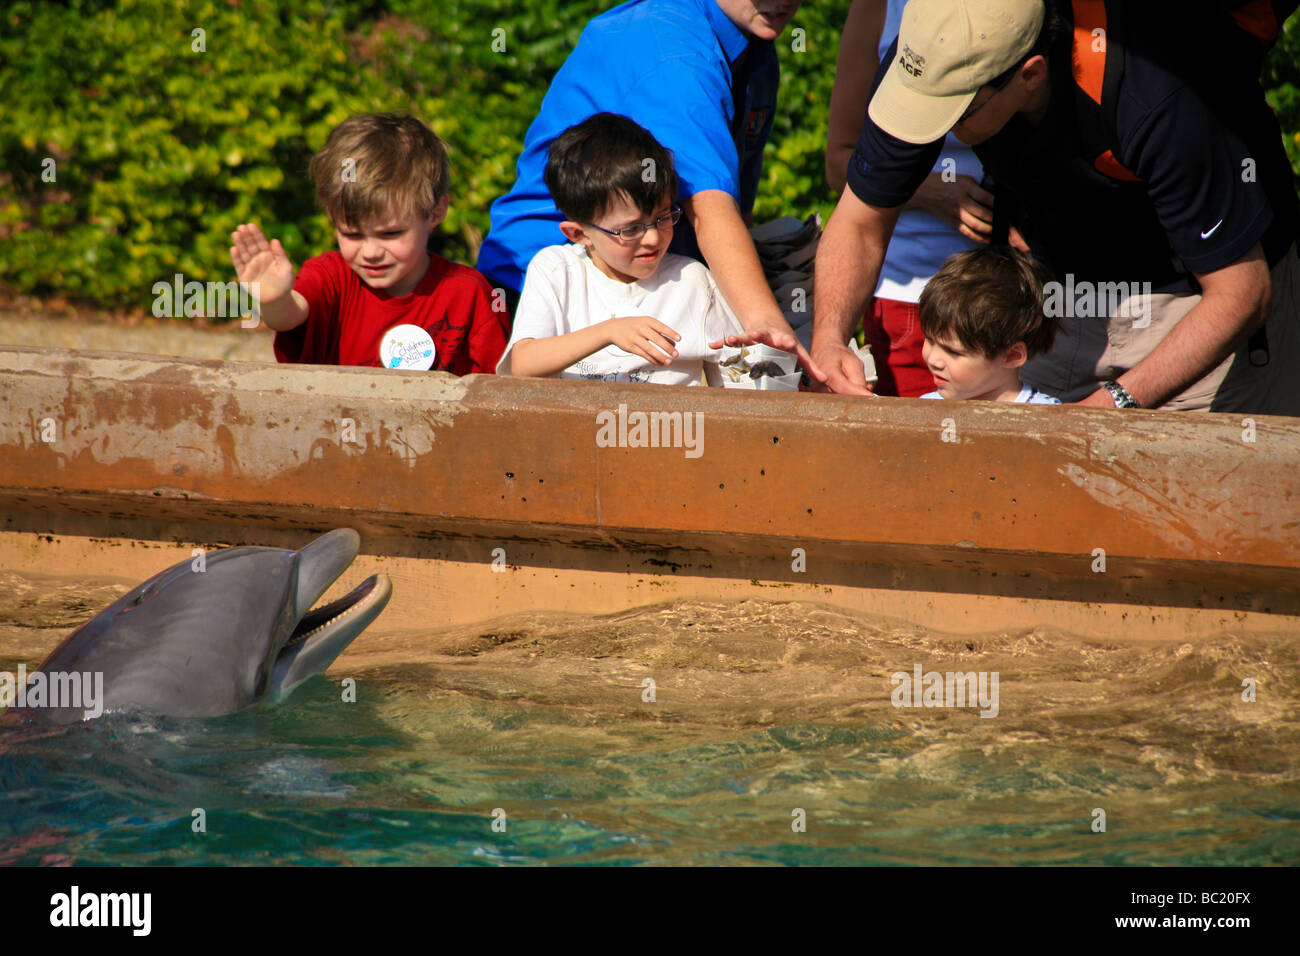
755	367
868	361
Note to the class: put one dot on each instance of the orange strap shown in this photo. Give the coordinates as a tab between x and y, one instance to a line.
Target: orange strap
1090	51
1089	68
1108	165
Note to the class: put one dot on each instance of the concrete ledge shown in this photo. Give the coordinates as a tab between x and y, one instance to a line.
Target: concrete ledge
1192	511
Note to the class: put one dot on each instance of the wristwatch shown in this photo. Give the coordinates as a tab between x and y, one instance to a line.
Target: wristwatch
1120	395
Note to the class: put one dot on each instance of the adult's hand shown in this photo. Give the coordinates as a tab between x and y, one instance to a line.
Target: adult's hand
960	201
1234	302
844	372
1098	399
778	337
849	256
729	250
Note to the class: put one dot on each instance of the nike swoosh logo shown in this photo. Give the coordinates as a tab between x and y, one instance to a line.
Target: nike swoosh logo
1206	235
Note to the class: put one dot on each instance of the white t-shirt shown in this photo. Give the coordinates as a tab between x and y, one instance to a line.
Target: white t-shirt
1027	396
564	292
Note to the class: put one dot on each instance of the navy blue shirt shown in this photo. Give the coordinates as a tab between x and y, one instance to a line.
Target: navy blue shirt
1214	180
680	68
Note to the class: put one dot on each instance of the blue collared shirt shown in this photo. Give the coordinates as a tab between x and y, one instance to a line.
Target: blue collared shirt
668	64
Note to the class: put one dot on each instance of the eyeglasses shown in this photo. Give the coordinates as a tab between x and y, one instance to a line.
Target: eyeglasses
634	232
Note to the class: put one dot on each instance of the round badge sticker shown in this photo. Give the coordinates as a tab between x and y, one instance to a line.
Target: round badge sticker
407	347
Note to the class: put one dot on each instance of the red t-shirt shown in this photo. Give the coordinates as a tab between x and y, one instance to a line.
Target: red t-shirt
347	319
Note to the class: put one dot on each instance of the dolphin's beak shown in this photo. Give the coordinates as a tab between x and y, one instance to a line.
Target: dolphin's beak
325	633
321	563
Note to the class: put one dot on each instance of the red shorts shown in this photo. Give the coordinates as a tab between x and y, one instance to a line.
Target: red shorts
893	332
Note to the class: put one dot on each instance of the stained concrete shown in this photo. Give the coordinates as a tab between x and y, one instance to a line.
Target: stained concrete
505	489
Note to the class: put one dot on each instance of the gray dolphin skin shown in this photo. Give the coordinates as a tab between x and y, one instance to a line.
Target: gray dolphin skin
201	643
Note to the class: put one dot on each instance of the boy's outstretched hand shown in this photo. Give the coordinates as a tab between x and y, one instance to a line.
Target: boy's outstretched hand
265	263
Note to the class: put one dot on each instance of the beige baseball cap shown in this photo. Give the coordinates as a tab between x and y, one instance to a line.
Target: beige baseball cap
947	50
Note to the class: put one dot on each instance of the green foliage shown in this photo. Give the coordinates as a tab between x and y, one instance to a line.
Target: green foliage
163	139
1282	81
160	149
478	88
794	163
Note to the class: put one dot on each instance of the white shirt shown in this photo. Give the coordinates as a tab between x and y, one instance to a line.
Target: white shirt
564	292
1027	396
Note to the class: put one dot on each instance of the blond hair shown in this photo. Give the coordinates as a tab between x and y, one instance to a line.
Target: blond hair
378	164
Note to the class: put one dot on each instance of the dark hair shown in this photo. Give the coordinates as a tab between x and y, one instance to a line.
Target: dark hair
375	164
603	156
1051	35
988	299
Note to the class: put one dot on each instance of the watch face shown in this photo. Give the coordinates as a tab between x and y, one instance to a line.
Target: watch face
407	347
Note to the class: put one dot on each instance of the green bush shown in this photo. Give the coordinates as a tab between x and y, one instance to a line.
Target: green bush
160	148
794	163
163	139
1282	81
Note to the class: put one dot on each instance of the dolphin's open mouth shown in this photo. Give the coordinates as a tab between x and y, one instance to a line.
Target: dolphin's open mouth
324	632
373	590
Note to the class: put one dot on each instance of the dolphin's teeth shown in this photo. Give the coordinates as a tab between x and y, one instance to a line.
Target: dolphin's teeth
349	609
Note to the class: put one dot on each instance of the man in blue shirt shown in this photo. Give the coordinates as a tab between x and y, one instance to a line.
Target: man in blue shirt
701	76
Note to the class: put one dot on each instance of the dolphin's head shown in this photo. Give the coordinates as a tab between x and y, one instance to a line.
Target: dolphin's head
213	635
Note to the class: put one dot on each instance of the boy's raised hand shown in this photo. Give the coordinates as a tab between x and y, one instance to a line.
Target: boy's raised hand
263	262
644	336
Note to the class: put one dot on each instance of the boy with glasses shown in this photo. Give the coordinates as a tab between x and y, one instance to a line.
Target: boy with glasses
702	77
613	304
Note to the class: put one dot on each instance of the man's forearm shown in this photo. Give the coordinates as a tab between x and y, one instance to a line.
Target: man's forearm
1202	339
849	258
1233	302
729	251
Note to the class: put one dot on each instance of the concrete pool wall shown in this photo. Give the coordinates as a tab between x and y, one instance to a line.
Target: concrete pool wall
485	496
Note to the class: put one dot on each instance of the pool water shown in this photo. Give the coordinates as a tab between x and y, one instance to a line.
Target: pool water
533	740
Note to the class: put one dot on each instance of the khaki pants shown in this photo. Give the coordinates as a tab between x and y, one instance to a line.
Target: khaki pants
1089	351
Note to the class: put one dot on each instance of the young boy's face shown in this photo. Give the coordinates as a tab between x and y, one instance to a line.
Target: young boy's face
622	259
961	373
390	254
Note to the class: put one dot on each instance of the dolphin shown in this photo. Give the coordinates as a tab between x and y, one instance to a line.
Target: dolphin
213	636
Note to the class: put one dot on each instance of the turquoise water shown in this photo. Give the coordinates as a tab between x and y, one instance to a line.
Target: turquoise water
761	710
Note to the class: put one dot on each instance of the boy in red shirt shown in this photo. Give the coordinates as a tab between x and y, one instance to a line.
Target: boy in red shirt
382	299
